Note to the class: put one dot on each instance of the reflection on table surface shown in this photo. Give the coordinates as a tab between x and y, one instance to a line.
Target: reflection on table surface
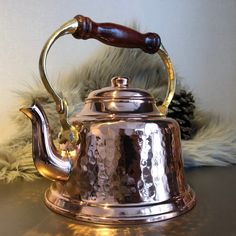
61	226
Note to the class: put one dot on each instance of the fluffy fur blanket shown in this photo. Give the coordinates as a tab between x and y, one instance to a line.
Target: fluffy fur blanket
213	145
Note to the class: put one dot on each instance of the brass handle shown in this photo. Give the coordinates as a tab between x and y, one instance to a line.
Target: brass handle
112	34
68	28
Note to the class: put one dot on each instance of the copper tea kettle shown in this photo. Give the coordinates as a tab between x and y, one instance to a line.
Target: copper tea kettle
123	159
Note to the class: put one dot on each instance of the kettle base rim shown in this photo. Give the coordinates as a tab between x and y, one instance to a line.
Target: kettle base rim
120	214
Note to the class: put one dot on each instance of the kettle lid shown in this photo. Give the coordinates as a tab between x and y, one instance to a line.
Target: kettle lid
120	100
119	90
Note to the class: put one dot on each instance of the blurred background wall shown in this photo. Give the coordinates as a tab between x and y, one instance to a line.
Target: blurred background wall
200	37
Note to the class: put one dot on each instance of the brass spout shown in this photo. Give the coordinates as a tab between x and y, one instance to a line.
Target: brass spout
47	159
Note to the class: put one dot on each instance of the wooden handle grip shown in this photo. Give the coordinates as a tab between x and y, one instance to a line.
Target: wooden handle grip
116	35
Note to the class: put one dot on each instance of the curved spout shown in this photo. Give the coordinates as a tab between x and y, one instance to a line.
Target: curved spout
47	158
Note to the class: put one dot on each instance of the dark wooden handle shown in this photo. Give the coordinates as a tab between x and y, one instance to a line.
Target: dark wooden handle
116	35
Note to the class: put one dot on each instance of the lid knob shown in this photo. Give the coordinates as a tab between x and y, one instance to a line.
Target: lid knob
120	82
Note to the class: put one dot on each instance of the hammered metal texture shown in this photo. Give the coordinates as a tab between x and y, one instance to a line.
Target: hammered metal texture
129	162
126	171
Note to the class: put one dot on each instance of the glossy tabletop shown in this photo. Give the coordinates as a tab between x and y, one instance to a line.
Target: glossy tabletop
23	211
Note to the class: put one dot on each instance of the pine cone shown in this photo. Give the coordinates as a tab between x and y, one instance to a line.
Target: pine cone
182	110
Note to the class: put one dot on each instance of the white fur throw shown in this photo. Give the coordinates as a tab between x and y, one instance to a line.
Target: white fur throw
213	145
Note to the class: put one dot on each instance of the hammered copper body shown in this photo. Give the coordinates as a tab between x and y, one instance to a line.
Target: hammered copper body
126	172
